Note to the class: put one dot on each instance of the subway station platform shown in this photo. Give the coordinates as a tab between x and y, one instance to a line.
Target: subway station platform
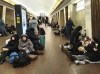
52	62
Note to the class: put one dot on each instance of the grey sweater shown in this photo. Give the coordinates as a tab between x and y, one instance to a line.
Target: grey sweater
27	44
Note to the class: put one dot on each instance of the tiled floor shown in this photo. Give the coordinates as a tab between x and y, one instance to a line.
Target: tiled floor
52	62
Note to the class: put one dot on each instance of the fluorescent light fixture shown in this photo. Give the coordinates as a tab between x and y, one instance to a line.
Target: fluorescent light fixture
76	1
80	5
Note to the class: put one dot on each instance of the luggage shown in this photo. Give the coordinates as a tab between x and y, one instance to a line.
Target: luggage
33	57
42	40
13	56
3	57
23	60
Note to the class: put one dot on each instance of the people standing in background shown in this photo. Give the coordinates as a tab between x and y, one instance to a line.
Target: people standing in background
69	27
39	20
33	24
46	20
52	22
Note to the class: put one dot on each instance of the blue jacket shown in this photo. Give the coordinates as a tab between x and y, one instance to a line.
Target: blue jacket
69	25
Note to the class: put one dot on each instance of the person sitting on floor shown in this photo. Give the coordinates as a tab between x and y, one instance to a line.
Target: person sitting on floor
75	35
8	29
33	38
74	39
12	46
57	28
26	45
93	52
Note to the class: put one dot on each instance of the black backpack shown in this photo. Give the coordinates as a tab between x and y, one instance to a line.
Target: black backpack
23	60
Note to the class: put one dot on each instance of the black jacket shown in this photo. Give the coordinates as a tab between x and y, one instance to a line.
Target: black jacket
42	32
31	35
13	44
75	35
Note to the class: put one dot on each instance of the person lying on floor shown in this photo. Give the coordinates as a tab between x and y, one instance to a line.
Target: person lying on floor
26	45
12	46
92	52
35	40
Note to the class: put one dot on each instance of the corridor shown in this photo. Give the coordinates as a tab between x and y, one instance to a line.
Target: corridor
52	62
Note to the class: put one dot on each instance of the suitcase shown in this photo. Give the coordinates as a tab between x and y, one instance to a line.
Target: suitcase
42	40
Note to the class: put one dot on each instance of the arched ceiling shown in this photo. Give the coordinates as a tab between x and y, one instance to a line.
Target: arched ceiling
37	6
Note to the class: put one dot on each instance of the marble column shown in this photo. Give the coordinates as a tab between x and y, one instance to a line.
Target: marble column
64	16
4	14
88	18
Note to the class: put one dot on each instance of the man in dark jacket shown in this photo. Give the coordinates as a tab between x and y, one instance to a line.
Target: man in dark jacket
69	27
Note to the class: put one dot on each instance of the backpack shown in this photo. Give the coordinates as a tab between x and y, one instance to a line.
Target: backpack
23	60
13	56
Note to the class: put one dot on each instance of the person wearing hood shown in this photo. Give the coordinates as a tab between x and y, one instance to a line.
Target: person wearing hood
12	45
33	38
75	35
25	44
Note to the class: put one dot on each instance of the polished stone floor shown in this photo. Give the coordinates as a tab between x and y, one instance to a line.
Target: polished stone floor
52	62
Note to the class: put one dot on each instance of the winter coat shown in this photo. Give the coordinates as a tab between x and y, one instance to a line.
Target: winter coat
13	44
31	35
69	25
91	54
75	35
28	44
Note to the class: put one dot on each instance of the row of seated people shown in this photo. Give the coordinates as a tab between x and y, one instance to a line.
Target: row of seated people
55	25
10	29
4	31
61	31
27	43
82	45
